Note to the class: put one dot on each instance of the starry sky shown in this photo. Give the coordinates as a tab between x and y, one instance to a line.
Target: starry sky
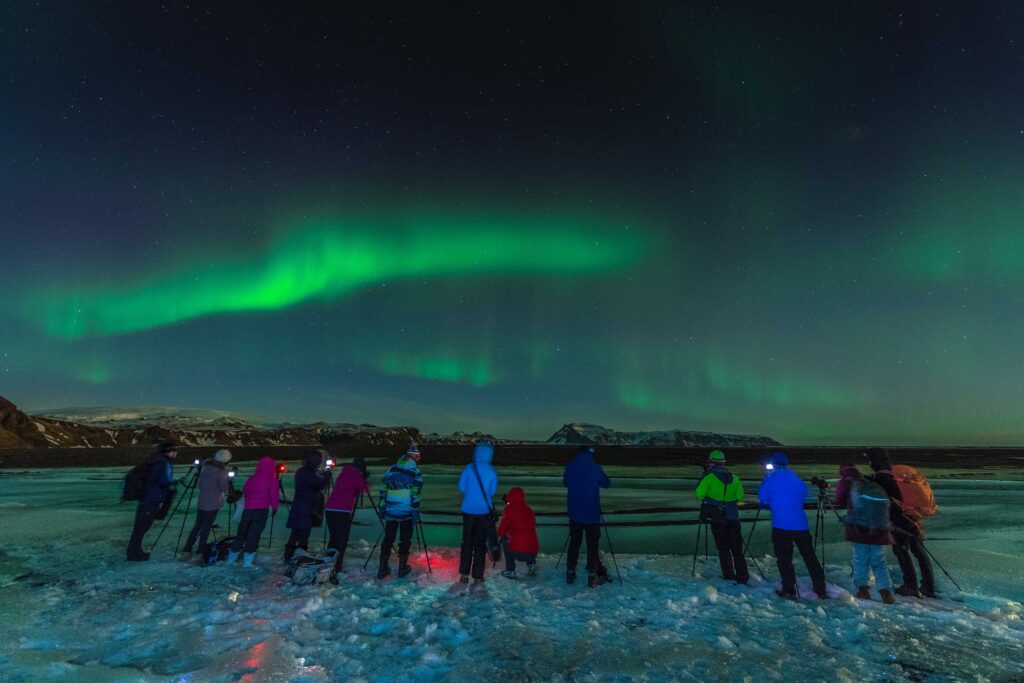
792	219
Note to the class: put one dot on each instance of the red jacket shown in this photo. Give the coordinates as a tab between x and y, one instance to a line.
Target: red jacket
519	525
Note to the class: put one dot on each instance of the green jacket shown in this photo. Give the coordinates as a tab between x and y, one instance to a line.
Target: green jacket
713	489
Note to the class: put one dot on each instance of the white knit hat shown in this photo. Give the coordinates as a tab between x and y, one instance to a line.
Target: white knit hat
222	456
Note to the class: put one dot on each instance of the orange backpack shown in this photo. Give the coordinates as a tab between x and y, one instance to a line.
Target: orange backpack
918	499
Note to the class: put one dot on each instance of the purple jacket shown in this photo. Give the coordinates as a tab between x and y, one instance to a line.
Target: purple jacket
213	485
350	484
261	490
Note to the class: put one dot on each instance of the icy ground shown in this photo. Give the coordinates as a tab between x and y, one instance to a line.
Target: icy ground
73	610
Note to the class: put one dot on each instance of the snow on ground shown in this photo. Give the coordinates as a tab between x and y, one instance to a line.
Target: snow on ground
73	610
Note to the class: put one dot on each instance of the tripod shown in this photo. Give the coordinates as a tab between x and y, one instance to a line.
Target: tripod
190	484
746	546
819	520
702	524
383	528
611	550
273	513
327	495
422	541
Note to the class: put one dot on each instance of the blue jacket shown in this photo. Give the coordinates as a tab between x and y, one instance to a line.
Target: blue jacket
475	501
307	508
400	491
161	480
783	493
584	480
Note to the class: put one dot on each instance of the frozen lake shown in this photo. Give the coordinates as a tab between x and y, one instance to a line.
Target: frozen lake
74	610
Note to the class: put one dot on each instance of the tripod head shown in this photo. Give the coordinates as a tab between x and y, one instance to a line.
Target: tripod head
822	485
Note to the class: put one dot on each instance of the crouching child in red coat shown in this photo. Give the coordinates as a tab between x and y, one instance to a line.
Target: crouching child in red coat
518	533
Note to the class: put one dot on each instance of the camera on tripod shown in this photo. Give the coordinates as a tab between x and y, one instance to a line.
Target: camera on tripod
821	483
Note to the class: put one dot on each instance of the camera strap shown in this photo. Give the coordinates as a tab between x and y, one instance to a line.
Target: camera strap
483	492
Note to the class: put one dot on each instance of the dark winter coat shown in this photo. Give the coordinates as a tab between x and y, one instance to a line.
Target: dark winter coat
214	483
854	533
307	509
519	525
160	483
901	522
584	480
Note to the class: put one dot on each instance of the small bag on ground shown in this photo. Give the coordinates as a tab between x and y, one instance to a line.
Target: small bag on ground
305	569
217	551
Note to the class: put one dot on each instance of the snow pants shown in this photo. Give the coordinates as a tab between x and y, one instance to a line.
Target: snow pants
474	544
729	542
250	529
145	515
201	529
867	558
401	528
903	548
593	534
784	540
339	524
511	557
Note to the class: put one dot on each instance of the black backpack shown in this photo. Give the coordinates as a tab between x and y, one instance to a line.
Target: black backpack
134	485
217	551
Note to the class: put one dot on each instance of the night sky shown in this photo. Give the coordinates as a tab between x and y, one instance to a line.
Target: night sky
801	220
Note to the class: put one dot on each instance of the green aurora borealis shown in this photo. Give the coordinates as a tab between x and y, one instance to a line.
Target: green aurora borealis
784	221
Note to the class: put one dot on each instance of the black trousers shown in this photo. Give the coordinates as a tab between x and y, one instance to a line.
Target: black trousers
339	524
201	529
472	559
729	542
784	540
144	518
906	546
250	529
403	529
593	534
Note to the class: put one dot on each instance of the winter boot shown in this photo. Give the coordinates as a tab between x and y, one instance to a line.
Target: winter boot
785	595
928	591
909	591
141	557
864	593
403	566
384	571
232	556
887	597
509	573
595	580
570	576
289	551
531	569
464	578
247	560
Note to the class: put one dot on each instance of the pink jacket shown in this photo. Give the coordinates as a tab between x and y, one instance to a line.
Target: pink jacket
261	489
349	485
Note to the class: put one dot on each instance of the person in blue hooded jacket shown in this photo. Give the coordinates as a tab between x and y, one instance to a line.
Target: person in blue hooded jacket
478	484
160	490
584	479
783	493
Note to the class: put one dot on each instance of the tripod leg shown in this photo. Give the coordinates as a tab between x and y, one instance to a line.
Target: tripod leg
423	540
696	549
174	511
611	550
188	506
564	546
376	543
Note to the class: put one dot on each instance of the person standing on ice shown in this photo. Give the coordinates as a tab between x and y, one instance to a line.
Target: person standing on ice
352	482
720	493
214	484
518	533
478	484
262	498
867	528
307	508
400	492
908	530
783	493
160	487
583	478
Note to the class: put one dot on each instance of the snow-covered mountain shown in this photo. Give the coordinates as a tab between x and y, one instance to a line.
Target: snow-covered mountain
584	433
143	416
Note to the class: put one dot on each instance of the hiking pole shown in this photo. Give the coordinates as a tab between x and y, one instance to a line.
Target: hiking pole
270	541
608	536
423	540
696	545
188	484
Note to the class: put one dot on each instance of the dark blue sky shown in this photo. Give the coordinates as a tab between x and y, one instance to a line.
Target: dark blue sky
789	219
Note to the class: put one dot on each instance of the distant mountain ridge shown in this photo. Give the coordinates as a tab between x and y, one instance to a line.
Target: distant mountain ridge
108	427
584	433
